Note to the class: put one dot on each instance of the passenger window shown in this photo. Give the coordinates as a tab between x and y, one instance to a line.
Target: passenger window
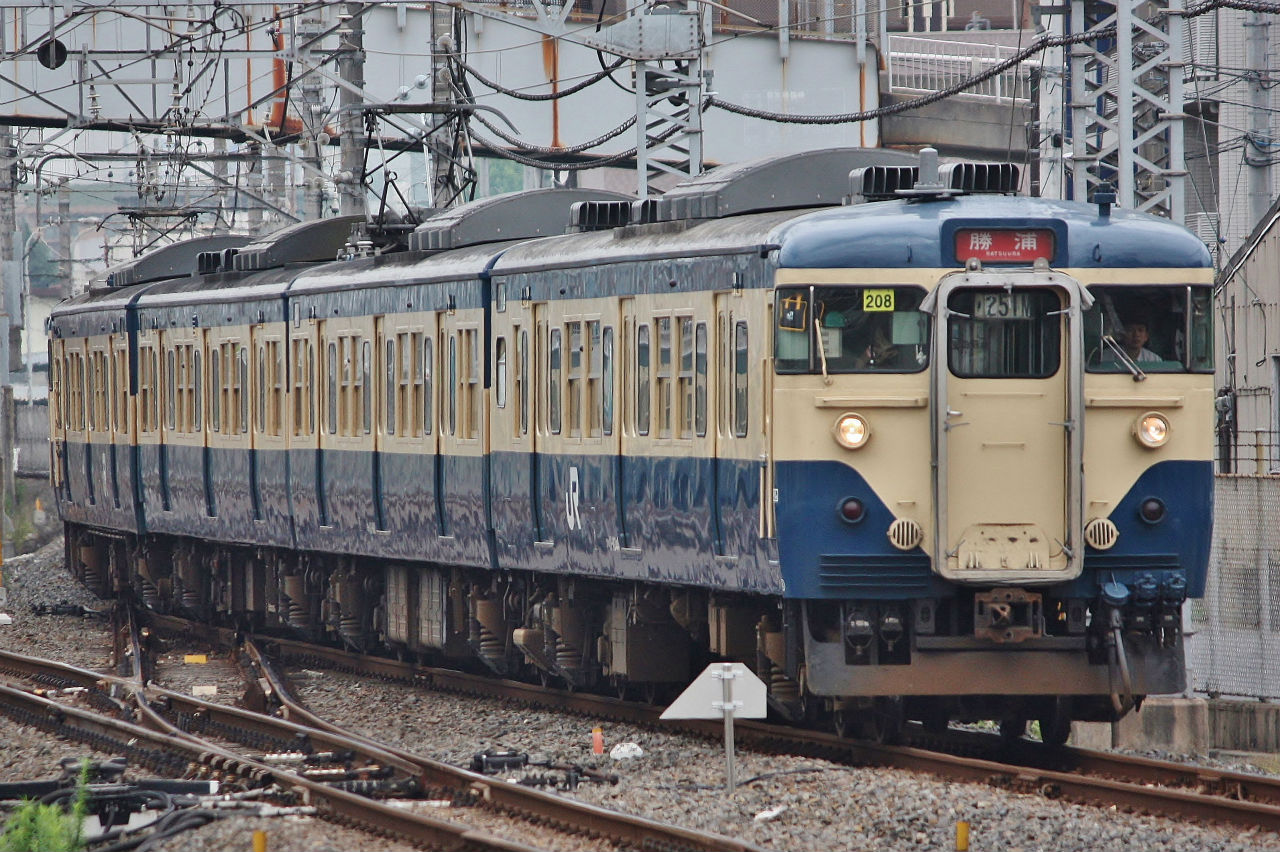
215	391
664	376
171	407
685	383
261	396
198	390
242	389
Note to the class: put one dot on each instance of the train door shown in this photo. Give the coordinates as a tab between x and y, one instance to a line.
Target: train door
121	421
267	428
460	474
167	423
302	468
538	401
627	440
57	417
1007	425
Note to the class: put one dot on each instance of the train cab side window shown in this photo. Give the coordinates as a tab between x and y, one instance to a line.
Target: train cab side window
554	370
741	370
642	379
1160	329
849	329
606	378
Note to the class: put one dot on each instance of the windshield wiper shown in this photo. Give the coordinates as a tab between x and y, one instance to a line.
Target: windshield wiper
822	353
1123	357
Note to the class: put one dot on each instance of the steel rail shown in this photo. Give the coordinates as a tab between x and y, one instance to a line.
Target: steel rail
1230	797
623	828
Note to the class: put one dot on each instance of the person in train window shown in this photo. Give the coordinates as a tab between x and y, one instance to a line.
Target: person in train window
876	350
1135	339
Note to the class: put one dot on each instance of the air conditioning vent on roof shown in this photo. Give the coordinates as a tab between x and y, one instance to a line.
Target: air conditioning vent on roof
876	183
997	178
598	215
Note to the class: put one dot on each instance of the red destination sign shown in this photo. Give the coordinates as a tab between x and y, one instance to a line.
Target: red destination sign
1004	246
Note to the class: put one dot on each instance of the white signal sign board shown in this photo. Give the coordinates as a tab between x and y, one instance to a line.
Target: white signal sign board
723	691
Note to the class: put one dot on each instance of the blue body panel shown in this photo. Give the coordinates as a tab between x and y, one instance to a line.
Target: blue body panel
896	234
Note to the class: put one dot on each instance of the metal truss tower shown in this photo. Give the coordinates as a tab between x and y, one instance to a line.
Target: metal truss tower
1126	103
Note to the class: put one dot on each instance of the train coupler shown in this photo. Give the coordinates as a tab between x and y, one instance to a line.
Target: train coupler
1008	615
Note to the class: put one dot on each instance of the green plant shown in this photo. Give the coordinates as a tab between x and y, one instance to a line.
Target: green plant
36	827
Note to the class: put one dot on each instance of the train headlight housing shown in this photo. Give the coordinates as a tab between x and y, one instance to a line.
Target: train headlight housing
1151	429
852	431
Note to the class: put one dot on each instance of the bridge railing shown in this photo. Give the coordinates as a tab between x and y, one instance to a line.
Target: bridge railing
919	64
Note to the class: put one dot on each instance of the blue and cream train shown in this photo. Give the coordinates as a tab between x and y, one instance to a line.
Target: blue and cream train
909	445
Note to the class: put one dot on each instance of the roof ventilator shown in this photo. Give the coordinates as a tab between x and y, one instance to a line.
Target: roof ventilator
511	216
930	180
176	260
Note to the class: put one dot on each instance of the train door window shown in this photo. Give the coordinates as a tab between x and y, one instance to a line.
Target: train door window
453	384
364	384
500	372
392	389
242	387
260	398
275	414
171	388
642	379
553	381
153	408
1162	329
198	388
605	381
332	387
524	381
215	389
685	382
90	418
574	379
1004	334
425	373
741	367
700	381
664	376
122	388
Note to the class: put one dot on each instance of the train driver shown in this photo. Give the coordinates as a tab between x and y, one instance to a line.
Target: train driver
1135	339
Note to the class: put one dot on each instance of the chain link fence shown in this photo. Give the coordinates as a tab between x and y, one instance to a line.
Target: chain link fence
1233	643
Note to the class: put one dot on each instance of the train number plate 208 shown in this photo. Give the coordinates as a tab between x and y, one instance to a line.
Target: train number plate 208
877	300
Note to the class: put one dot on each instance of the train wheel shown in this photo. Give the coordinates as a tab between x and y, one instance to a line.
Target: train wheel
844	721
886	720
1012	729
1055	726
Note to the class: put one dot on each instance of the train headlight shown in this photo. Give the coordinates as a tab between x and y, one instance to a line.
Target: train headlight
1151	429
852	431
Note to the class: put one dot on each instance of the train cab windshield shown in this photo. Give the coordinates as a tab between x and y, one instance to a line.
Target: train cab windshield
1157	329
851	330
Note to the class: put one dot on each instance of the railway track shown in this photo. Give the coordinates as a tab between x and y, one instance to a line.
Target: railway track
172	732
1163	788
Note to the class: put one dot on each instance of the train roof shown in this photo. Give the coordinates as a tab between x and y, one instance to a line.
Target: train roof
461	264
920	233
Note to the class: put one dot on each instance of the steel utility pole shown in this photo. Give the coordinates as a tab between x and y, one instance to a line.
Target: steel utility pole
351	67
1257	152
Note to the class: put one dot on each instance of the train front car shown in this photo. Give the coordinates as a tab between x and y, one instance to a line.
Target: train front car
991	452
